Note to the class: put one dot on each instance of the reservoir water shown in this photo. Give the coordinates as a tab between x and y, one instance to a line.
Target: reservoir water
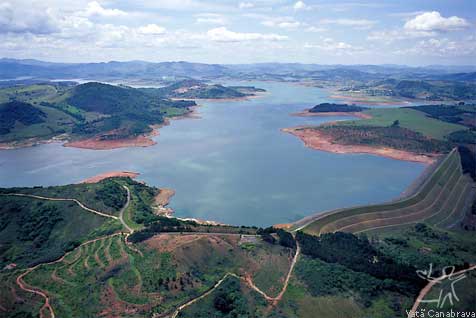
232	165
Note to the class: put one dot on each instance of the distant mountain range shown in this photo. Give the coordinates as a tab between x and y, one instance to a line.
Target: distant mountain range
29	68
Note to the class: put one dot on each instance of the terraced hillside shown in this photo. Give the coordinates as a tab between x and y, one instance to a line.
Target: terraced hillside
110	277
441	201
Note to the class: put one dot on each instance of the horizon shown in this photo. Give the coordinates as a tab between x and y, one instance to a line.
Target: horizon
251	63
241	32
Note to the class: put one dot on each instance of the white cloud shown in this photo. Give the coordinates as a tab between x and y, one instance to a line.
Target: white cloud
315	29
329	45
281	22
390	36
357	23
94	8
246	5
151	29
445	48
335	47
433	21
300	5
210	18
22	19
222	34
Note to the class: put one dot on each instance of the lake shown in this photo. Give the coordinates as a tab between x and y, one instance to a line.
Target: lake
232	165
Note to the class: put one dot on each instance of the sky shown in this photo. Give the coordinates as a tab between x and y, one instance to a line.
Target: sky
410	32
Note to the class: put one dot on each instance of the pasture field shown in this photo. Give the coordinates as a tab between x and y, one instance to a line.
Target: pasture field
408	118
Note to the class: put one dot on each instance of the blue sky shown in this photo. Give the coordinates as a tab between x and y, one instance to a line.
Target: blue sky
323	32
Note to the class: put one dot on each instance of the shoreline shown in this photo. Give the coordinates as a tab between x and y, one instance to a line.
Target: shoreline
94	143
161	200
110	174
319	141
32	142
227	99
144	140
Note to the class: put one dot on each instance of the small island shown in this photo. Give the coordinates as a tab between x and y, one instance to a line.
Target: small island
331	109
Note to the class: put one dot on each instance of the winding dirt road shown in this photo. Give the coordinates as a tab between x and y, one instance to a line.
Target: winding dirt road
62	199
43	294
38	291
249	282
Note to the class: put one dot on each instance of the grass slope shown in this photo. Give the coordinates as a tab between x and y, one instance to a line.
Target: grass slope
408	118
85	110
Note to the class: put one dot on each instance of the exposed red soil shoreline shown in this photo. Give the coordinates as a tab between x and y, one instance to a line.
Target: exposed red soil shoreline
315	139
110	174
96	143
164	196
307	113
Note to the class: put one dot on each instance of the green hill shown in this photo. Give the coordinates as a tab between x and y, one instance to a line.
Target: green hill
197	89
42	111
23	113
34	230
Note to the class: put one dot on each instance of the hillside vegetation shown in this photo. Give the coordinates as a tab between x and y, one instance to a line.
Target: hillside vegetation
86	110
422	89
340	108
407	118
33	230
23	113
394	137
191	89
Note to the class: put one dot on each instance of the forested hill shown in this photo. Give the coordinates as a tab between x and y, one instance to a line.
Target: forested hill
21	112
340	108
42	111
109	99
197	89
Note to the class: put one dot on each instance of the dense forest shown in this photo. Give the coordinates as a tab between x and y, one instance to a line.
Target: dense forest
393	137
340	108
85	110
357	254
458	114
14	111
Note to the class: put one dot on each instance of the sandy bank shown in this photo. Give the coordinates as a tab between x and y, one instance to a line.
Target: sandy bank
110	174
161	201
30	142
307	113
163	198
284	226
317	140
96	143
